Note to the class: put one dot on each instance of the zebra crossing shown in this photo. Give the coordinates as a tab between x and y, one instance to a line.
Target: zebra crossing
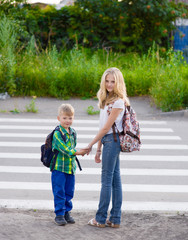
154	179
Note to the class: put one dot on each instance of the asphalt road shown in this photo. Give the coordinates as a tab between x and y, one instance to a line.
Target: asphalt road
154	180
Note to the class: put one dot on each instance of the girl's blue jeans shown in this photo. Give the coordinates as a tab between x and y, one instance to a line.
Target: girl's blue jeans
111	181
63	190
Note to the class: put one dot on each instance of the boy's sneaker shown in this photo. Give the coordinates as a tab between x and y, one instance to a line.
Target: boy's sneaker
60	220
68	218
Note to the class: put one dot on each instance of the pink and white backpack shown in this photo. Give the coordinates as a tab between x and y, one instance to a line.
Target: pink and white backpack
130	137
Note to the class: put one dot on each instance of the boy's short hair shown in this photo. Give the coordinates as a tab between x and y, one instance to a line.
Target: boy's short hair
67	109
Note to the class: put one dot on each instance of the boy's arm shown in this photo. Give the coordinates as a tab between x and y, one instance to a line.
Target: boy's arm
82	151
61	146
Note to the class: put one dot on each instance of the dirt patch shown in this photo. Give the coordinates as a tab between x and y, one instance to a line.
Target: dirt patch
38	224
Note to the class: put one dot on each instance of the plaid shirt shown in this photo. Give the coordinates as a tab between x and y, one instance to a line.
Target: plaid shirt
66	160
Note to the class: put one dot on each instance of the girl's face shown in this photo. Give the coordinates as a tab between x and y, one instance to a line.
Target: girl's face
110	83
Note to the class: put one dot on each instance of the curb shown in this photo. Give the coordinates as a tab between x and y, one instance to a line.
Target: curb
141	105
181	113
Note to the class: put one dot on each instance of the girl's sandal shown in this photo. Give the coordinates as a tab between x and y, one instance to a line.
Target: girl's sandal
94	223
112	225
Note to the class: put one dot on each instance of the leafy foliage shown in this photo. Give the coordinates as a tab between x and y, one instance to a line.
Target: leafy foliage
63	53
8	44
127	25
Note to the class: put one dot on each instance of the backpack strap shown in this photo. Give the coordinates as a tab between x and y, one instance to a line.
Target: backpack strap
62	135
54	162
134	136
78	162
114	125
79	165
55	151
114	132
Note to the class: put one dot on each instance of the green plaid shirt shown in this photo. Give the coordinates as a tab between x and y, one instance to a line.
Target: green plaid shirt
66	160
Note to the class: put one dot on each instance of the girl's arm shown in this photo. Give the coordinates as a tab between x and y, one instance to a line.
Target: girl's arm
98	152
99	146
111	119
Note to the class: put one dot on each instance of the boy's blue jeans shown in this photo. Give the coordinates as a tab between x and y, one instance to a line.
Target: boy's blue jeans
63	190
111	181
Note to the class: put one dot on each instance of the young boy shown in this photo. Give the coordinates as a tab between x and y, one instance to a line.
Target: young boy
63	178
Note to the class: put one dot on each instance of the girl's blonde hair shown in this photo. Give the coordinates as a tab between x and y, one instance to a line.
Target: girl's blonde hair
119	89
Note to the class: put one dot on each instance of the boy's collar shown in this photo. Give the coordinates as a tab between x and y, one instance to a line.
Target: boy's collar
64	130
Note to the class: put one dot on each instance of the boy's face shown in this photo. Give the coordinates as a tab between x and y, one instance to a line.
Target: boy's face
65	120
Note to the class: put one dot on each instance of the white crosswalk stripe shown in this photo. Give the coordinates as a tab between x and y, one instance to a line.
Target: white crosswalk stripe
92	205
93	129
82	145
82	121
142	173
91	187
124	157
96	171
81	136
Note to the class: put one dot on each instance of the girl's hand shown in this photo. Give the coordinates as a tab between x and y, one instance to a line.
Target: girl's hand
89	148
97	157
82	151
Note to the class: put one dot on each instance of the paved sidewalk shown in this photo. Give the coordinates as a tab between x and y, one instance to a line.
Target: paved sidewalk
47	108
34	225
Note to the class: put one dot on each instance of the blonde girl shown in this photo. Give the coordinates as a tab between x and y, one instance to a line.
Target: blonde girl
112	99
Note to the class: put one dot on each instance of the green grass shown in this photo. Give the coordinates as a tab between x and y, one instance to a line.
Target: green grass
31	107
15	111
77	73
90	111
3	111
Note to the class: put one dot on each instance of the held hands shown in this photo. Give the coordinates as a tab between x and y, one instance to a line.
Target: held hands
97	155
87	150
84	151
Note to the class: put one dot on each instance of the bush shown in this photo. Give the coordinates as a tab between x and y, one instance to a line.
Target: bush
8	43
170	91
78	73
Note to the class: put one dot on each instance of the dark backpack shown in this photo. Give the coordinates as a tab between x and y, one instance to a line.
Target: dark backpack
48	155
